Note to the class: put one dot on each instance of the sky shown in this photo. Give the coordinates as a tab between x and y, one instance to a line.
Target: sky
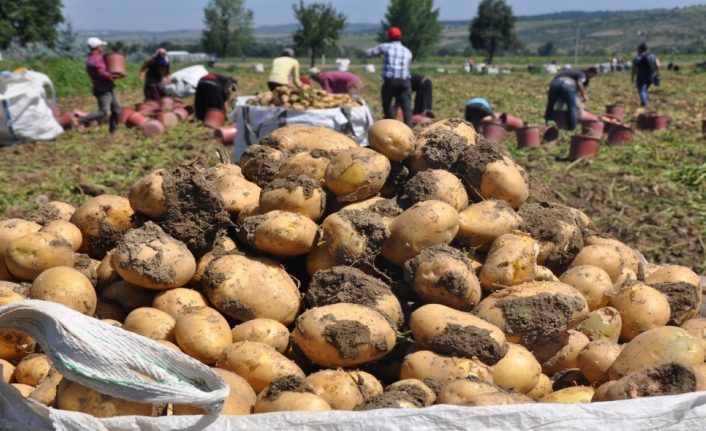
164	15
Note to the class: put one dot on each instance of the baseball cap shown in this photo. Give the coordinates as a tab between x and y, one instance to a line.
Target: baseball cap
314	70
94	42
394	33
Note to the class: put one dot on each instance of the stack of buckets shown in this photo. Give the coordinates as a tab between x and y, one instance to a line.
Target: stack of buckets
592	130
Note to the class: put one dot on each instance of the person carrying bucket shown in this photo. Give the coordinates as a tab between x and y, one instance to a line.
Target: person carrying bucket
154	72
646	68
565	88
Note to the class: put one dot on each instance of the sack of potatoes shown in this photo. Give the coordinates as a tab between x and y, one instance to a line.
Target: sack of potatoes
302	99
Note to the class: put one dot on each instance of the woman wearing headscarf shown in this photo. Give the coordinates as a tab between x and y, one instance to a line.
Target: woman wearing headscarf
154	71
213	91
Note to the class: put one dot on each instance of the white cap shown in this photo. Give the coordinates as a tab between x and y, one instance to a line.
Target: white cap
313	71
94	42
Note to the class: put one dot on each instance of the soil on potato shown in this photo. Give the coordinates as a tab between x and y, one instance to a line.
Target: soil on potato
195	209
290	383
230	306
291	183
414	391
468	342
369	225
422	187
442	148
386	208
539	191
386	400
451	281
319	153
682	297
135	241
435	385
347	336
262	164
395	180
568	378
45	215
668	379
540	317
474	159
84	265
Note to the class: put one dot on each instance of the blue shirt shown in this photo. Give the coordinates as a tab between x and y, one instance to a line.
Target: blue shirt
395	61
636	62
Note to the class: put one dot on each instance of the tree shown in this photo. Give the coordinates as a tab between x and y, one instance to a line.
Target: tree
547	50
493	28
67	44
320	27
228	27
419	22
29	21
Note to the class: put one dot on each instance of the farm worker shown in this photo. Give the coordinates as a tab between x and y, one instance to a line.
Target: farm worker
565	87
477	109
336	82
395	75
282	68
423	97
103	88
645	67
154	72
213	91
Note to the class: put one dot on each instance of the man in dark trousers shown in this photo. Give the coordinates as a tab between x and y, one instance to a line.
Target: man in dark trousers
566	87
154	71
423	97
395	75
103	88
645	67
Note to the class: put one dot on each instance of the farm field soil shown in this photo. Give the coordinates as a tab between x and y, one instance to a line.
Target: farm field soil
651	194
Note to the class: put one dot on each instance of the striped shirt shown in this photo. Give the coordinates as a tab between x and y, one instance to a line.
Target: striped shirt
395	61
96	69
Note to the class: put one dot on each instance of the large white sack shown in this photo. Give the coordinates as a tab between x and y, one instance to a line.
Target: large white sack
183	82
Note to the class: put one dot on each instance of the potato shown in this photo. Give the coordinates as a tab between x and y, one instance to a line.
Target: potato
343	335
240	401
103	220
387	400
248	211
696	328
656	347
75	397
147	197
522	313
289	393
202	333
107	309
628	256
296	137
266	331
31	369
66	286
25	390
149	258
593	283
424	395
626	275
106	273
337	387
279	233
356	174
239	358
437	148
129	296
482	223
8	371
219	171
641	308
295	194
260	163
14	228
596	358
444	275
572	395
319	258
30	255
511	260
151	323
542	388
247	288
392	138
673	378
674	274
684	300
494	399
45	392
544	274
518	370
223	246
8	296
367	383
439	185
458	391
424	225
51	211
354	236
237	192
601	391
457	125
66	231
561	353
444	330
602	324
425	364
602	256
309	163
176	301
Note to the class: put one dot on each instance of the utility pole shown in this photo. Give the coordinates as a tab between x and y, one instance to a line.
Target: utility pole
576	50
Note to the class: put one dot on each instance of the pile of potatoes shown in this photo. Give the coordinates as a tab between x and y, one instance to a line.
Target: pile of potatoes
303	99
429	268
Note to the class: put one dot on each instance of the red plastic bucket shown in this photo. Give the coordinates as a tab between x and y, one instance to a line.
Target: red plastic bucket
226	134
643	120
80	113
587	116
510	121
65	119
528	137
181	113
616	111
551	135
166	103
136	120
583	147
125	113
190	109
153	128
169	119
214	118
619	135
115	62
593	128
152	113
657	122
493	131
416	119
178	104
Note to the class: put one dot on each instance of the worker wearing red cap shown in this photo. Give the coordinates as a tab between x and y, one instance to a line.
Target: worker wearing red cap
395	74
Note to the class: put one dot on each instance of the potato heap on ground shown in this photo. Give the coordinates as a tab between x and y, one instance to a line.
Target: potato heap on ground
427	269
303	99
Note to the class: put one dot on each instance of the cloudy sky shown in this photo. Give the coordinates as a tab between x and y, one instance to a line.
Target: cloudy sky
163	15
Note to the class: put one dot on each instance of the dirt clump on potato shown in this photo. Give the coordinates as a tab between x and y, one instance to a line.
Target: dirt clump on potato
195	209
369	225
347	335
153	268
45	215
395	179
473	160
84	265
434	385
387	400
386	208
451	281
291	182
414	391
290	383
684	299
468	342
422	187
673	378
262	164
442	148
539	191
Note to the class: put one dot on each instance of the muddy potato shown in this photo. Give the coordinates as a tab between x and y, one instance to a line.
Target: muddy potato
424	225
389	400
424	395
572	395
444	330
458	391
202	333
673	378
684	300
299	137
561	353
444	275
289	393
280	233
103	220
295	194
673	274
237	193
147	197
518	370
87	266
247	288
260	163
656	347
696	328
151	323
66	286
266	331
240	401
511	260
627	274
593	283
10	230
28	256
457	125
250	210
482	223
309	163
66	231
641	308
437	148
354	236
542	388
106	273
392	138
519	312
602	256
75	397
356	174
367	383
51	211
129	296
544	274
602	324
439	185
596	358
628	256
343	335
31	369
219	171
8	371
425	364
337	387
